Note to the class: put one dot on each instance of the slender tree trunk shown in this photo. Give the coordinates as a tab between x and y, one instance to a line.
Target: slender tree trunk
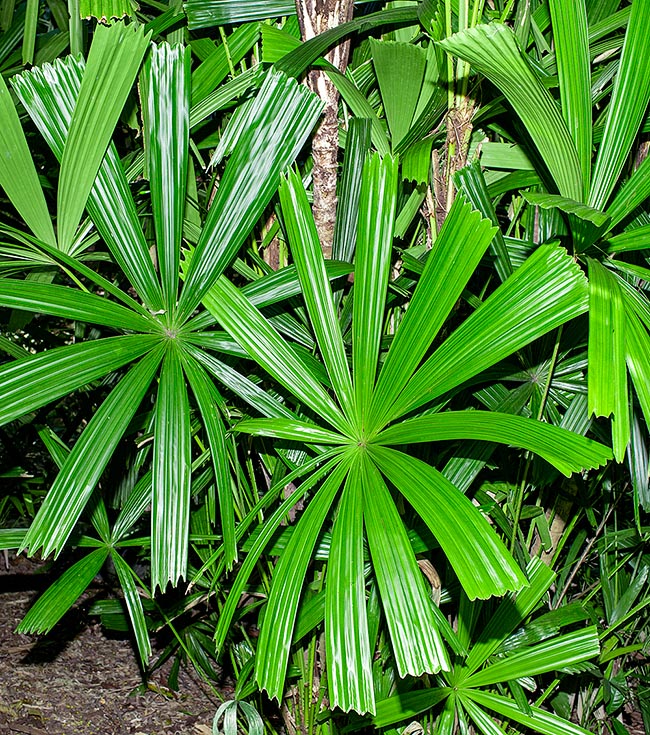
459	133
316	17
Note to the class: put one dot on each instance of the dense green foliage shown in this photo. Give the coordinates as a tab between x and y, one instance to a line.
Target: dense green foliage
408	482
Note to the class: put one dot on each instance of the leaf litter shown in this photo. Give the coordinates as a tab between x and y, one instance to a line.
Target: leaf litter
80	681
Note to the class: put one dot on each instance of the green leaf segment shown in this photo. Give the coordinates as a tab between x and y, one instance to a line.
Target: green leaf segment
365	411
461	692
152	343
363	414
588	193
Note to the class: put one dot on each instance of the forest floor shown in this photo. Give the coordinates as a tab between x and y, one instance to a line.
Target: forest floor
79	681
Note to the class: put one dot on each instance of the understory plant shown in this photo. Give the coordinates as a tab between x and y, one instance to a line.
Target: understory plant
375	486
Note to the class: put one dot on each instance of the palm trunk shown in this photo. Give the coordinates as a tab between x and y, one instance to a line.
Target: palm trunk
317	16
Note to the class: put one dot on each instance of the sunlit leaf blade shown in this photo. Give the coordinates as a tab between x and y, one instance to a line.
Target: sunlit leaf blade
481	561
56	447
240	385
297	61
281	117
562	651
546	291
166	135
265	345
288	579
372	269
482	720
138	501
471	181
569	18
539	720
629	196
277	42
241	119
170	507
32	8
607	376
510	613
509	156
431	107
447	719
208	400
635	300
347	210
460	245
99	518
416	641
59	598
65	302
290	429
11	538
49	93
587	224
84	465
205	13
408	704
113	63
106	10
28	385
416	162
18	175
627	107
134	608
399	68
565	450
361	108
348	654
300	342
637	347
284	283
77	265
12	349
308	258
210	74
493	51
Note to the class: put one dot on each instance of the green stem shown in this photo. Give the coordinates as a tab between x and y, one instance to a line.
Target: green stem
568	529
545	694
178	34
518	503
451	91
549	378
224	39
181	642
29	33
477	12
462	67
76	29
582	559
507	10
309	705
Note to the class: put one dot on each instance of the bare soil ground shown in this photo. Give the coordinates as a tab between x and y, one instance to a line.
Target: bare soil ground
79	681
